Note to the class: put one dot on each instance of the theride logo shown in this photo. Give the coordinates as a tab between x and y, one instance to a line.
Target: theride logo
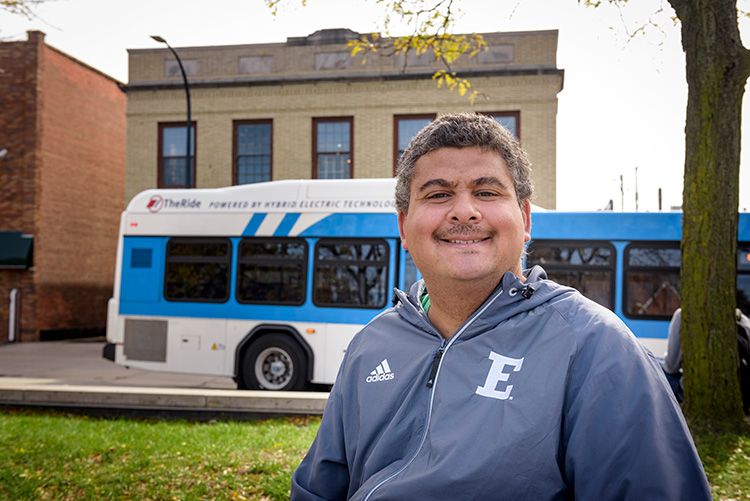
155	204
381	373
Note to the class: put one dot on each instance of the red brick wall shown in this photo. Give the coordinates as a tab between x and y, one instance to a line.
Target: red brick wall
18	172
78	180
82	187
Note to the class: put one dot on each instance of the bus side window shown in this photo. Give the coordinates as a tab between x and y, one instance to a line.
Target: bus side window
584	265
197	269
351	273
743	277
652	280
411	273
272	271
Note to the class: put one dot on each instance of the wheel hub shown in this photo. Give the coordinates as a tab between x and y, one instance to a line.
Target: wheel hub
274	368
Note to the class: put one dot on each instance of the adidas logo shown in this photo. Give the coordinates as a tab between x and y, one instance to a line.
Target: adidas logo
381	373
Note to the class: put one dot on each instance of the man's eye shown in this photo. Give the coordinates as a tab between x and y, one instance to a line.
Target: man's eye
433	196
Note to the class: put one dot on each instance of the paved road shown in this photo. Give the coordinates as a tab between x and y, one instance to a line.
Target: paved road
73	374
80	362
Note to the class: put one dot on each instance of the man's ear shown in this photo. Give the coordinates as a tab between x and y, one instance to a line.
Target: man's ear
401	223
526	213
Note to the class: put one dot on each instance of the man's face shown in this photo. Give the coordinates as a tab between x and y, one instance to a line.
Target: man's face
464	221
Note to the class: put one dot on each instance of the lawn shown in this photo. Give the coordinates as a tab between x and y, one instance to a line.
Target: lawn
54	455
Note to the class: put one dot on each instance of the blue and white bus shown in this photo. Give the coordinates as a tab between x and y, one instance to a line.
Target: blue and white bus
264	282
268	282
628	262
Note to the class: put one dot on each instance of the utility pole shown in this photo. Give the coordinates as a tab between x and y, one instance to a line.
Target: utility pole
636	189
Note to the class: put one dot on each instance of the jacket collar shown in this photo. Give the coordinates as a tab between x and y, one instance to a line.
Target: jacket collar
511	297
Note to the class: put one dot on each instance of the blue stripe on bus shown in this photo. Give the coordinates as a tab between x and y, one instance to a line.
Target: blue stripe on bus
286	225
355	225
654	329
609	226
254	224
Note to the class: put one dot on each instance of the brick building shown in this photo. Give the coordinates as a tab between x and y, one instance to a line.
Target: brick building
62	175
307	108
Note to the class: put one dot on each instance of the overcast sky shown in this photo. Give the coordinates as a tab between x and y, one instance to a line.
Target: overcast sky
621	111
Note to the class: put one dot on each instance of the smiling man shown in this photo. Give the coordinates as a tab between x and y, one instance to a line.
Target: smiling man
465	228
500	383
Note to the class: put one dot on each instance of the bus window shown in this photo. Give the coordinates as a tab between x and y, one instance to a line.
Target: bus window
351	273
587	266
197	269
652	280
743	277
411	273
272	271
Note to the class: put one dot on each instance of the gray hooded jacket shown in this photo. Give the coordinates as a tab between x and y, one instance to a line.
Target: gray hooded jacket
541	394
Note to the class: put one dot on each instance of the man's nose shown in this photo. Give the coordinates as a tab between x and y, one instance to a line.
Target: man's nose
465	210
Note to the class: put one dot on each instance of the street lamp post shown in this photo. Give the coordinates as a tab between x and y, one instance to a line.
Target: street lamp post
188	124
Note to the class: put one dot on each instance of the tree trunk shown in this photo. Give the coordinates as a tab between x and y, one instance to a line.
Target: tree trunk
718	67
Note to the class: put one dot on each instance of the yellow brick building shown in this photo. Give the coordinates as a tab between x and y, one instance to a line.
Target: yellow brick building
307	108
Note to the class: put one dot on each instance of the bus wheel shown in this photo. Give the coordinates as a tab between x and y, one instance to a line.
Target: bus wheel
274	362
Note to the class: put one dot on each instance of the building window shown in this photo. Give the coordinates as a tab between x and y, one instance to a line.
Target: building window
351	273
405	127
173	159
197	269
252	151
652	280
332	148
585	265
511	120
272	271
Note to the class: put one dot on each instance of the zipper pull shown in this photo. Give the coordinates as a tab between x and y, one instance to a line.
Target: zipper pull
435	365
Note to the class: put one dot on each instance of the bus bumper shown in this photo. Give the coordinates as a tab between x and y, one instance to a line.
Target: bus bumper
108	351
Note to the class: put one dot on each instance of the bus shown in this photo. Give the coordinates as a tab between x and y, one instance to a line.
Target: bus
264	282
268	282
628	262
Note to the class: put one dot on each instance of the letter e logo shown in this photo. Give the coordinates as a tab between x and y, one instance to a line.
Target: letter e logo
496	374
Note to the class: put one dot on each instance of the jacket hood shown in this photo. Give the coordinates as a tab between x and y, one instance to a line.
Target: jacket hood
511	297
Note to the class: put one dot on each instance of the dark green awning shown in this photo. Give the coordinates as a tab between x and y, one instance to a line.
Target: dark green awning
16	250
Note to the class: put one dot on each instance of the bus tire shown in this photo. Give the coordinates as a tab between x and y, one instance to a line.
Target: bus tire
274	362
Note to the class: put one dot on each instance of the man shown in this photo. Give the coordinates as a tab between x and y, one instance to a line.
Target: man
502	384
672	362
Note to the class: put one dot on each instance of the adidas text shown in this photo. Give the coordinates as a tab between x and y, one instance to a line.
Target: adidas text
380	377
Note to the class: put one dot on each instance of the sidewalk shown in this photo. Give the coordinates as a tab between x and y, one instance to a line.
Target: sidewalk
74	374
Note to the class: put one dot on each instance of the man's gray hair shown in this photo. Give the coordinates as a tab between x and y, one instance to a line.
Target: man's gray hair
464	130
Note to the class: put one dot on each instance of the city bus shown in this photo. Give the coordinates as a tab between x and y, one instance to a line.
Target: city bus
264	282
268	282
628	262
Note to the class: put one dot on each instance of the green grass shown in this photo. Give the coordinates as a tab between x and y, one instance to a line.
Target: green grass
726	459
56	456
52	455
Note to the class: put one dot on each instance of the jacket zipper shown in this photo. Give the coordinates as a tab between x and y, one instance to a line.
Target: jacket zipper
436	362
